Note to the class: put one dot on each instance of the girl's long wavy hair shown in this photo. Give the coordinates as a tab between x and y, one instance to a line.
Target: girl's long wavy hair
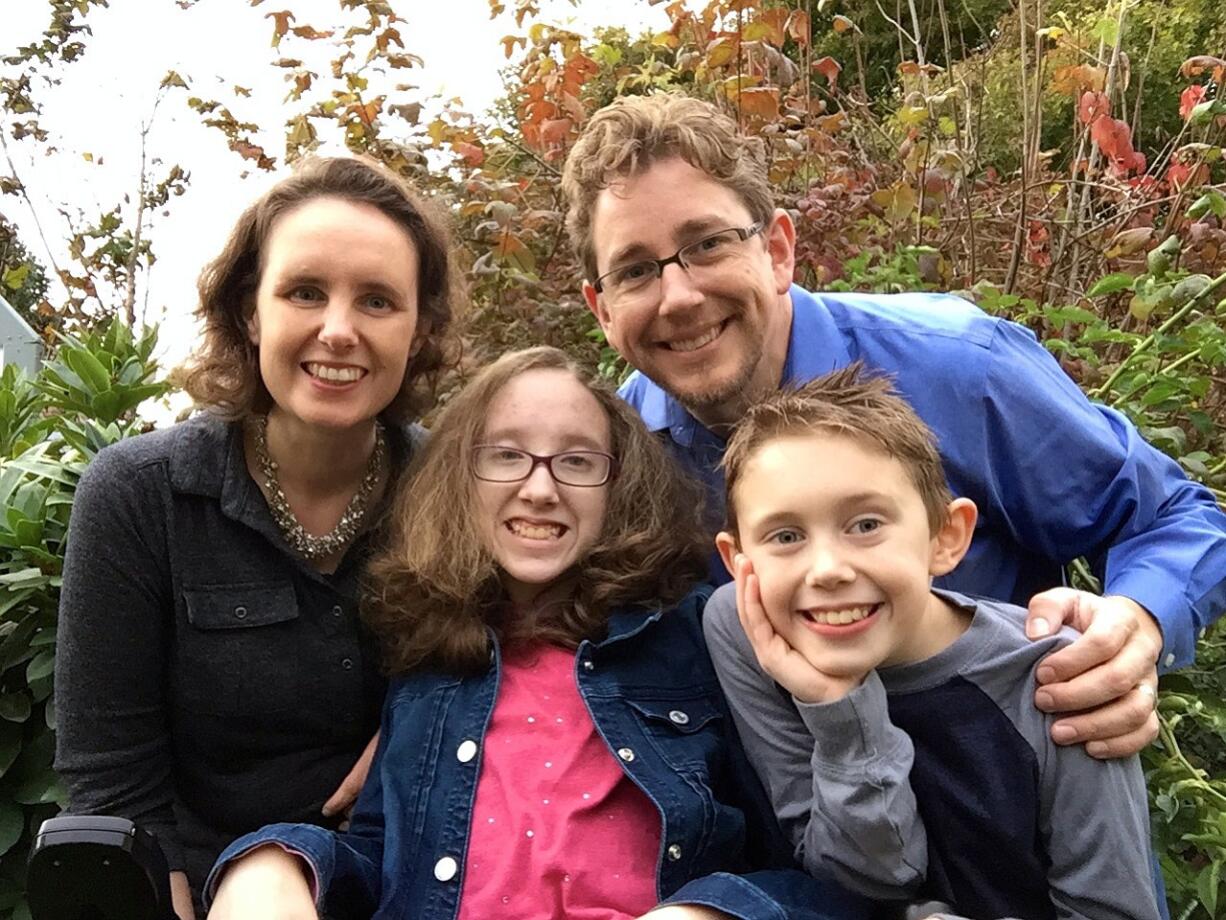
434	596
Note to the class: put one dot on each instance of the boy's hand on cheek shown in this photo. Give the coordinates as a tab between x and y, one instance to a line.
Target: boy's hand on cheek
792	670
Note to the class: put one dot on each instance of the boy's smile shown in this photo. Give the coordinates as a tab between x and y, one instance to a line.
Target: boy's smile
840	541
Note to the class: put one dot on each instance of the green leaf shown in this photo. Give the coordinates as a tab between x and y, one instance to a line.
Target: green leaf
14	707
40	789
89	369
43	665
10	745
12	823
1212	201
1111	284
1207	885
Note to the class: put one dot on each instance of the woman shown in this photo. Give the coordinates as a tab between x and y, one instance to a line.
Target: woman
554	744
211	674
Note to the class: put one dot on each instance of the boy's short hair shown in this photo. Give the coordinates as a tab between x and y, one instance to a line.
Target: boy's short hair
855	404
632	133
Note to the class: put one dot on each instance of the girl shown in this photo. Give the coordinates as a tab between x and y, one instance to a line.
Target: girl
554	744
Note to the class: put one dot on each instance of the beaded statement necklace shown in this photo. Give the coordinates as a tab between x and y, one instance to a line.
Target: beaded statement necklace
306	544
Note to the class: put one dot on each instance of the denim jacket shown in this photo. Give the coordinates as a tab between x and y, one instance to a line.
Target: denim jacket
655	701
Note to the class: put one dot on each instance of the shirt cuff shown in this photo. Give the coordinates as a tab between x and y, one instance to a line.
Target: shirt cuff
854	729
1170	609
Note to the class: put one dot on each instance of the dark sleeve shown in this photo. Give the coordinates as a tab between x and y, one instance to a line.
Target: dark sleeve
113	748
346	867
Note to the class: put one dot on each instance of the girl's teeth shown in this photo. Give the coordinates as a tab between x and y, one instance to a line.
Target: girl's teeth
535	531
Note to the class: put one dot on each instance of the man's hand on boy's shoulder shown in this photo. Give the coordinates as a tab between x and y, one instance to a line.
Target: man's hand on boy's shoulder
1108	676
776	657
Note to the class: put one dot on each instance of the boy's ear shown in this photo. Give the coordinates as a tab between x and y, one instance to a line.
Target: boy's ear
950	543
728	549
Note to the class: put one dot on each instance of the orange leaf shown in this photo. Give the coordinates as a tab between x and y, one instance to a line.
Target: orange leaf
472	154
798	27
1071	80
280	24
510	41
555	131
843	24
1195	66
829	68
760	102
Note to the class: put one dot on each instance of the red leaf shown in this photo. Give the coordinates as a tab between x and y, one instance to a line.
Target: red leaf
829	68
1091	106
1189	99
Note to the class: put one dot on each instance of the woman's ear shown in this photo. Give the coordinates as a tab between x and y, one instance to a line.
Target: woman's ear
950	543
420	337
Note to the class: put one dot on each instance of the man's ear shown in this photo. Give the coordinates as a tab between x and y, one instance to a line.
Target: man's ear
728	548
950	543
593	303
781	244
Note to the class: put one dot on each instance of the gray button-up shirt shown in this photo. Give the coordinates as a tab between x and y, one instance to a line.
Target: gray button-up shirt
208	680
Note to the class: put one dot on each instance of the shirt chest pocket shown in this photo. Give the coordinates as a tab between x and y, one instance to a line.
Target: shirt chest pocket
238	654
687	733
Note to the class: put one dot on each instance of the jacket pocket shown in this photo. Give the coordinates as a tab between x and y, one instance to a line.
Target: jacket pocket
238	653
688	733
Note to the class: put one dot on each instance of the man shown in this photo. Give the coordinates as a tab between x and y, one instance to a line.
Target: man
689	272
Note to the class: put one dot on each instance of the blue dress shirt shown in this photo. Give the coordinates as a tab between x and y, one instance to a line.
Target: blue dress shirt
1055	477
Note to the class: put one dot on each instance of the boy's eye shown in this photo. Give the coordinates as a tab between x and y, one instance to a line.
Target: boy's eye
378	302
865	525
786	537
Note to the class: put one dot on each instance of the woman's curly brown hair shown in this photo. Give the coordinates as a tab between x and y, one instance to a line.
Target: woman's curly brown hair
433	594
224	374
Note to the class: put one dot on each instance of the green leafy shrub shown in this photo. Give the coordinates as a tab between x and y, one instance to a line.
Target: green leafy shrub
50	428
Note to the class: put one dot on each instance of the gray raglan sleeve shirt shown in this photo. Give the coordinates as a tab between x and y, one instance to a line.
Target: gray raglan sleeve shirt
837	773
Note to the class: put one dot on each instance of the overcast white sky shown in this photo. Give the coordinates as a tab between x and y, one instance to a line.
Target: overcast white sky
215	44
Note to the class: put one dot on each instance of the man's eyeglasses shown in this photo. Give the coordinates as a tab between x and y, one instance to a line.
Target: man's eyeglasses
639	280
586	468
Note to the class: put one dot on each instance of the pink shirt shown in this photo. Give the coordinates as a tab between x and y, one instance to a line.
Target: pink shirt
559	832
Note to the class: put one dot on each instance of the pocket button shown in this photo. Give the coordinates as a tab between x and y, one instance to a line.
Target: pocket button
240	613
678	717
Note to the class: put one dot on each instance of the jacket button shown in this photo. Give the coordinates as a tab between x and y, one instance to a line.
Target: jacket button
678	717
347	663
674	852
445	869
589	665
625	754
240	613
466	751
337	611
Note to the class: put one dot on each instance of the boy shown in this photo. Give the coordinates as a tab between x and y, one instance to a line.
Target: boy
902	752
